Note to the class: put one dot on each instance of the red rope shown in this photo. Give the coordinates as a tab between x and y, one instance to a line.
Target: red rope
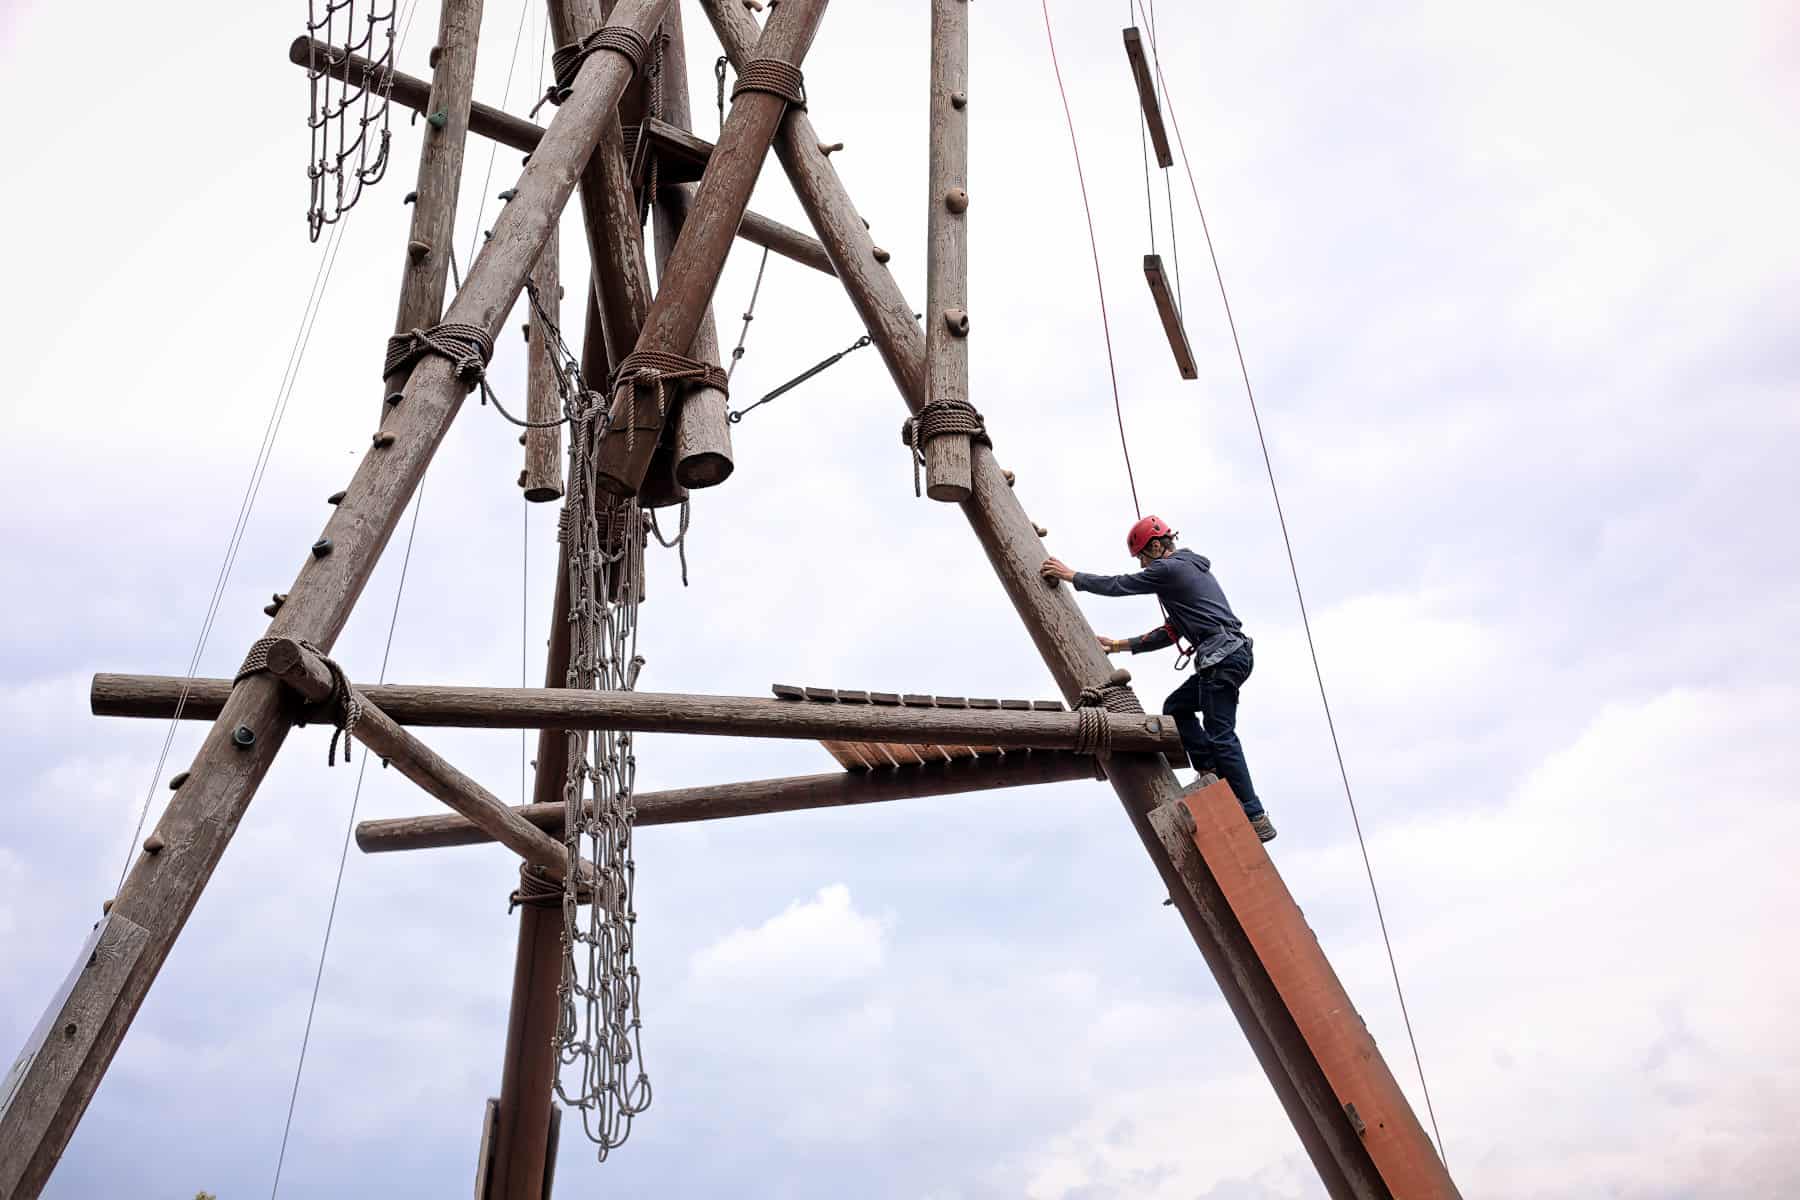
1093	245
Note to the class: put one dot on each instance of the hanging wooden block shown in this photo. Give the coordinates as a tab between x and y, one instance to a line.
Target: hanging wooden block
1146	88
1171	316
680	156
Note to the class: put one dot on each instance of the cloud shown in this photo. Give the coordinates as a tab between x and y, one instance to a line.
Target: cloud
810	946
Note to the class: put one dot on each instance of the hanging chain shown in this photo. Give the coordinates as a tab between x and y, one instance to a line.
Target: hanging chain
348	119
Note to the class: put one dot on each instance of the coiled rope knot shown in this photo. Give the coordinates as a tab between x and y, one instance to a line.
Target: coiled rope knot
1093	732
653	369
341	706
565	61
468	347
942	417
773	77
536	890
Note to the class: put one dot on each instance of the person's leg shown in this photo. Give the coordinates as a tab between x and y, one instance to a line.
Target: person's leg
1218	706
1183	704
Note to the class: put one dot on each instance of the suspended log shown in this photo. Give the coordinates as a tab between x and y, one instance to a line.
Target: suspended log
1146	90
1062	635
424	277
664	712
409	91
692	272
1171	316
947	247
541	480
160	889
833	789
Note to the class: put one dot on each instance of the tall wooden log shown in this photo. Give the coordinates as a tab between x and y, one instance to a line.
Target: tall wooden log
160	889
947	246
409	91
425	270
833	789
693	267
702	444
541	478
1063	638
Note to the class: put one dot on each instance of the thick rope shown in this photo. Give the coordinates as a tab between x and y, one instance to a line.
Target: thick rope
942	417
1093	730
468	347
565	61
342	705
653	369
772	77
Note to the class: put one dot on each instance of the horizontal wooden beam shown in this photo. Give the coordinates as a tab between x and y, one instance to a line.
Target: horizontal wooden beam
661	712
834	789
409	91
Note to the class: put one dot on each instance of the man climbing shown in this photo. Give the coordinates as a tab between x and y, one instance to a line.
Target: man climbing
1197	612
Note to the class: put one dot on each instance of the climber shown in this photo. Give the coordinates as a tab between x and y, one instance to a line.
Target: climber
1196	610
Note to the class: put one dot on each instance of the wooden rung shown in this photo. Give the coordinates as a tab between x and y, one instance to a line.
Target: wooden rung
889	698
845	697
681	157
1046	706
1016	705
1146	88
1171	316
787	691
847	755
819	694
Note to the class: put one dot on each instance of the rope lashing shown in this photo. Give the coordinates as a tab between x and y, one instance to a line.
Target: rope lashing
942	417
653	369
342	705
1093	731
468	347
565	61
773	77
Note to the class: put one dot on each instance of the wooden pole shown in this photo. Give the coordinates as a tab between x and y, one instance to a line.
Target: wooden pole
409	91
693	267
541	479
425	272
702	447
833	789
160	889
668	712
947	246
1061	633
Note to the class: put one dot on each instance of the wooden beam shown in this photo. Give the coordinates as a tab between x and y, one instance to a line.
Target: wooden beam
1171	316
1049	613
425	269
161	889
833	789
409	91
665	712
1146	90
692	272
541	479
947	246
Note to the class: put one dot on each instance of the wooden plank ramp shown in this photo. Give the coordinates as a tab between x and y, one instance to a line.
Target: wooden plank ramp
867	756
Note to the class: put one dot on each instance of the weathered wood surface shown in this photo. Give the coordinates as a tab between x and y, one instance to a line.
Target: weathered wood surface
1057	627
692	272
1164	298
832	789
541	478
160	890
409	91
424	278
1146	90
701	450
947	243
1315	998
665	712
520	1150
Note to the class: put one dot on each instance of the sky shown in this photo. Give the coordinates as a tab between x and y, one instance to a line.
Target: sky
1517	288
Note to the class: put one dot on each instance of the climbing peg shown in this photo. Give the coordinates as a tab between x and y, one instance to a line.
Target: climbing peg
956	200
959	100
753	5
1041	531
177	779
105	907
431	59
321	548
153	844
957	321
383	440
418	251
394	398
438	119
523	476
274	606
509	193
830	148
335	499
410	198
1008	476
521	439
881	255
243	737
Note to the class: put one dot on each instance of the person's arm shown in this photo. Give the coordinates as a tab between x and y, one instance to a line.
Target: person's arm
1136	584
1156	639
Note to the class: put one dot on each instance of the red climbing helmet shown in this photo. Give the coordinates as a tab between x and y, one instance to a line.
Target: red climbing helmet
1146	529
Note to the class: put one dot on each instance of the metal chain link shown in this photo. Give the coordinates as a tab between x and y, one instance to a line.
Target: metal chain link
340	163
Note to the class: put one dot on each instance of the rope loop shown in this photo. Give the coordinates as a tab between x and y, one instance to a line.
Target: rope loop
565	61
342	706
1093	732
468	347
773	77
653	369
942	417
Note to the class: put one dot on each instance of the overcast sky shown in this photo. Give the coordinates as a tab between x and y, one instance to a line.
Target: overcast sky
1518	289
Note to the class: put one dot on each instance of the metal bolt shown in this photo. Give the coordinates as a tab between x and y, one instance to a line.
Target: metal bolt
321	548
69	1029
956	200
153	844
177	779
957	321
383	440
959	100
243	737
335	499
881	255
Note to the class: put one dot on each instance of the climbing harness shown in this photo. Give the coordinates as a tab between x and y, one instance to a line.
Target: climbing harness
348	118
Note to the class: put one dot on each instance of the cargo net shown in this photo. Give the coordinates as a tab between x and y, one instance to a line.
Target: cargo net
599	1036
350	67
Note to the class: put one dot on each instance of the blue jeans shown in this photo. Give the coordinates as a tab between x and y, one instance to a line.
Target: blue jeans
1211	695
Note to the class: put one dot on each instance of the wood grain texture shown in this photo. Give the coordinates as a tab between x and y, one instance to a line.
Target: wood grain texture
541	478
666	712
833	789
425	278
160	890
1164	299
947	244
1146	90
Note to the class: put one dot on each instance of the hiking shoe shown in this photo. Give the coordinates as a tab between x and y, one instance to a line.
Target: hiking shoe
1265	828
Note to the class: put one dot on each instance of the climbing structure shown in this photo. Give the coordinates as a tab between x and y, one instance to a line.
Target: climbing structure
645	407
